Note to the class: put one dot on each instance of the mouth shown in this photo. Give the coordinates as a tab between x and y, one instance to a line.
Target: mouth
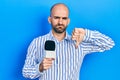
60	26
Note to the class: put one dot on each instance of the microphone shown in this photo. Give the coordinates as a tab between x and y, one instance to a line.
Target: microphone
50	49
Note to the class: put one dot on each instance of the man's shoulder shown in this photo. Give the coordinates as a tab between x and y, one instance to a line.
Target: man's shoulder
42	36
39	40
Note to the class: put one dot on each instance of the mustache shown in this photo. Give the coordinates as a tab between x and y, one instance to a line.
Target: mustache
60	25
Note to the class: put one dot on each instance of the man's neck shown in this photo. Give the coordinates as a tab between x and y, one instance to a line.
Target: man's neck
59	36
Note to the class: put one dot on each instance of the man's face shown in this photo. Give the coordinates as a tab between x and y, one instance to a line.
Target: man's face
59	19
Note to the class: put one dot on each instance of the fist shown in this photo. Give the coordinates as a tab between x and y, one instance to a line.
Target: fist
45	64
78	35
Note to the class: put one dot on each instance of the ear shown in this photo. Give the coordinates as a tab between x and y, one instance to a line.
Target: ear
49	19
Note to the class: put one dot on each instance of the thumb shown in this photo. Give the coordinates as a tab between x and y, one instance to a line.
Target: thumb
77	43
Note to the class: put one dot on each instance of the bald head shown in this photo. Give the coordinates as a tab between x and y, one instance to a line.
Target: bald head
59	6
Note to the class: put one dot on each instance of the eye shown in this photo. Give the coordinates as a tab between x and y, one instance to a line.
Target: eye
56	17
65	18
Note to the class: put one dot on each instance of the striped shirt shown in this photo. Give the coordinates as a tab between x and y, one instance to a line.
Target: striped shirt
68	60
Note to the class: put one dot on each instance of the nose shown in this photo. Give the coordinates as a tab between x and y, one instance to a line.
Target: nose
60	21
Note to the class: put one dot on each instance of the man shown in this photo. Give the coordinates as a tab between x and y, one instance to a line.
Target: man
70	50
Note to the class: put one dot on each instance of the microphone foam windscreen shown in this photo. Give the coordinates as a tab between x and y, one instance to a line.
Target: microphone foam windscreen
50	45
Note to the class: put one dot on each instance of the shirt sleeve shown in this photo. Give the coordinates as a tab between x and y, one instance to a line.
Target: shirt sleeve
95	41
31	66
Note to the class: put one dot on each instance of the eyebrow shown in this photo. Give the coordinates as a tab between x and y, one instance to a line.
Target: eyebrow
60	17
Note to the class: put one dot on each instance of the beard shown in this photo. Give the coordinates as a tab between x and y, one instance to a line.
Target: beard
59	28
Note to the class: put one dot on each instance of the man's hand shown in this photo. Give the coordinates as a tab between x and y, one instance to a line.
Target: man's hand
45	64
78	35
